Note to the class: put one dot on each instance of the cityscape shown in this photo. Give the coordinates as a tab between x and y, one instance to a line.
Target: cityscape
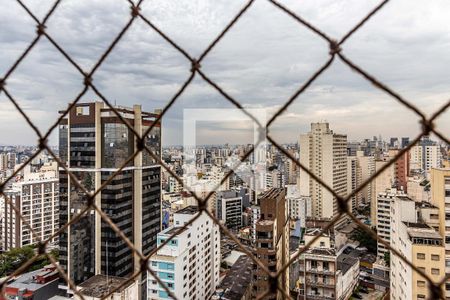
224	150
276	211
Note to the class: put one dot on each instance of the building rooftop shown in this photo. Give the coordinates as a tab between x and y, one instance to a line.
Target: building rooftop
420	231
315	231
321	251
273	193
417	225
188	210
237	280
345	262
173	229
29	281
424	204
100	285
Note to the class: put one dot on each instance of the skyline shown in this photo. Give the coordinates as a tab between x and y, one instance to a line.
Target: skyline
261	61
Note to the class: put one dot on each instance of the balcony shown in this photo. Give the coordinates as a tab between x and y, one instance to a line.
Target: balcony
326	284
320	271
319	297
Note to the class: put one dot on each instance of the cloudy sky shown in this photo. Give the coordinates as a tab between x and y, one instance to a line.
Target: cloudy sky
261	62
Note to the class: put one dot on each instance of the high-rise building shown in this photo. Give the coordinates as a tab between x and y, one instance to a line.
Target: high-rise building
3	161
354	180
440	189
425	155
325	154
418	243
385	180
12	160
405	142
271	243
189	263
385	202
94	143
394	144
299	207
229	208
401	169
36	198
367	164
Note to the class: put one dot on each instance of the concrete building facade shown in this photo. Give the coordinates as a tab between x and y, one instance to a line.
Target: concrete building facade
271	243
325	154
189	264
94	143
36	198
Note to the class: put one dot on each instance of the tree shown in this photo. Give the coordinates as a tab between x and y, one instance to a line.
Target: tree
365	240
14	258
387	258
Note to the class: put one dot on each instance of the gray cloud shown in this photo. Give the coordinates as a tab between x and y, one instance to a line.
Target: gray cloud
263	59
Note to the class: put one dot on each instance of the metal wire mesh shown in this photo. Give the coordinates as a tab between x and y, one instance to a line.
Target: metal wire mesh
335	52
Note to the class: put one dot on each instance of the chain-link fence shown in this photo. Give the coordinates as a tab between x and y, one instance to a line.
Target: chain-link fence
335	52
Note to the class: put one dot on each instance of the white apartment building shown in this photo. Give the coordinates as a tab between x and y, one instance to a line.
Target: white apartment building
354	180
275	179
367	164
425	155
299	207
385	202
36	198
324	153
189	264
384	181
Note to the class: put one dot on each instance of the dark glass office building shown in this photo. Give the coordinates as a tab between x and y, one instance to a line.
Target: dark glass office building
94	143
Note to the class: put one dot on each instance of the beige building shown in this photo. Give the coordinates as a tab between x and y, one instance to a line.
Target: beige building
324	153
418	243
367	165
36	198
324	273
354	180
440	187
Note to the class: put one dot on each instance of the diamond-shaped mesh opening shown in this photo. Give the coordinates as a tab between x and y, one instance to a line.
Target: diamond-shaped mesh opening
90	210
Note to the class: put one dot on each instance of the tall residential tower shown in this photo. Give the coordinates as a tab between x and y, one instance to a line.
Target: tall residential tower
324	153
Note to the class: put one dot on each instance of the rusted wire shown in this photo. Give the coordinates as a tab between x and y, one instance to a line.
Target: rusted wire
335	50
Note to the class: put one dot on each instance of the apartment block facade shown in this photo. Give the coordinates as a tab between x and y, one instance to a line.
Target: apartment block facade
440	189
325	154
189	264
271	243
36	198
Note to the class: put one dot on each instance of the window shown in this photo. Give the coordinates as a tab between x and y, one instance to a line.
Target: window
434	271
420	255
420	283
420	296
434	257
154	263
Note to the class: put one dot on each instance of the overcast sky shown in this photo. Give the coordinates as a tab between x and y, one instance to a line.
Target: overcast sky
261	62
